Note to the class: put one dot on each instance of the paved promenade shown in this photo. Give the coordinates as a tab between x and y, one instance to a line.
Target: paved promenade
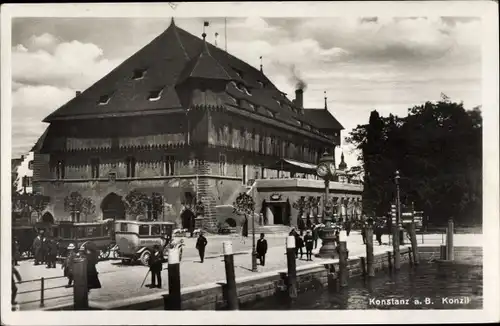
121	282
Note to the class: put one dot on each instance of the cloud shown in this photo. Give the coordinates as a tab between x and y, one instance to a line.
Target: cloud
69	64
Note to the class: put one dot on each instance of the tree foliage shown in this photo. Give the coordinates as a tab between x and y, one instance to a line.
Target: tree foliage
244	204
23	205
139	204
438	150
75	202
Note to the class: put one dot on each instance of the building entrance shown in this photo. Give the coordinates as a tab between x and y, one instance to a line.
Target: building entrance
275	213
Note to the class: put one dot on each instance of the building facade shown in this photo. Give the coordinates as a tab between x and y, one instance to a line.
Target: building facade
181	118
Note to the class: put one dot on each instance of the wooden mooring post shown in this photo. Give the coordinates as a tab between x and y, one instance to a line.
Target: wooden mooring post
172	300
291	267
369	251
343	273
389	260
231	294
450	252
414	245
395	246
80	289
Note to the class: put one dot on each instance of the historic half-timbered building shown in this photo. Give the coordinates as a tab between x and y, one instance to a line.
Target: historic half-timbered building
182	118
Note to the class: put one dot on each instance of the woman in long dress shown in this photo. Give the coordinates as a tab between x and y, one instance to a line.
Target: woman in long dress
92	274
244	230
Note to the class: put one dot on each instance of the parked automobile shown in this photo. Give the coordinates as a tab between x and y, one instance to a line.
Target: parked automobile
136	239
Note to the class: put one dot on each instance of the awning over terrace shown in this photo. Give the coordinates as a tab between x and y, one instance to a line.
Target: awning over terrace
293	166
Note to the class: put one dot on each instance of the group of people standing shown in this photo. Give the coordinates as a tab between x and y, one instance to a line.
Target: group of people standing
309	241
45	250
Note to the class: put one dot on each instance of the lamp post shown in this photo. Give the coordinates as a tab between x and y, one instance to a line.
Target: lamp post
326	170
396	233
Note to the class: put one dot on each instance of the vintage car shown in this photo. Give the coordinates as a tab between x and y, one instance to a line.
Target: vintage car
100	233
136	239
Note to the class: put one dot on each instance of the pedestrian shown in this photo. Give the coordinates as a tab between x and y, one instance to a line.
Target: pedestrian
15	274
37	248
69	263
156	266
347	227
92	275
201	243
45	249
262	249
300	224
292	232
51	253
308	223
309	242
378	233
16	252
363	232
315	234
299	244
244	230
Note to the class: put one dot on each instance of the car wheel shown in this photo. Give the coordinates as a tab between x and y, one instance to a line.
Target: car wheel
146	254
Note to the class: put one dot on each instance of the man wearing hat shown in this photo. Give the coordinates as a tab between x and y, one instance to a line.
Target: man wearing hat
155	266
68	264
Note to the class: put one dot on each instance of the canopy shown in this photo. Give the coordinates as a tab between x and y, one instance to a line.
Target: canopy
293	166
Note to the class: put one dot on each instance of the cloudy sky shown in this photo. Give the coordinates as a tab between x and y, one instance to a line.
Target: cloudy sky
388	64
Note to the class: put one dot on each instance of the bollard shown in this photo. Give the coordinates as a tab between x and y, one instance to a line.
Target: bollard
369	251
450	254
42	292
172	301
395	246
231	294
389	260
344	273
414	245
332	279
442	252
292	271
80	288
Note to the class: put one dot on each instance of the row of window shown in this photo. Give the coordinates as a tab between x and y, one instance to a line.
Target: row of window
269	145
168	167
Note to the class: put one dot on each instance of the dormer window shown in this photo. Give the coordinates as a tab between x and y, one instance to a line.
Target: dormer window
248	91
270	113
232	98
139	74
261	84
298	122
238	72
155	95
252	107
279	103
104	99
239	102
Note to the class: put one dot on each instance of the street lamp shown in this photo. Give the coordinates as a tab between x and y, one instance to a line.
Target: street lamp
326	170
245	205
395	228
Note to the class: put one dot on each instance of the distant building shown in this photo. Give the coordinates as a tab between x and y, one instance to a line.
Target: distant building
22	170
190	121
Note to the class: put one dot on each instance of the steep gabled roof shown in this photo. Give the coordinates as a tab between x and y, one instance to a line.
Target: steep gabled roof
204	66
168	60
323	119
38	145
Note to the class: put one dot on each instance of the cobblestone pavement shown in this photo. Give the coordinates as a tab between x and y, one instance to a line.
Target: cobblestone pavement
123	281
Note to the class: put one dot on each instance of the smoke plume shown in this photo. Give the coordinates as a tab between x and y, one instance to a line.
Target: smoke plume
297	79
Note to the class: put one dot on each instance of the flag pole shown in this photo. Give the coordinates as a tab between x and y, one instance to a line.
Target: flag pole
225	34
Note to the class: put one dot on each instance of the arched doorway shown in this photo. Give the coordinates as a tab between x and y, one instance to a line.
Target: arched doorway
187	218
47	218
112	206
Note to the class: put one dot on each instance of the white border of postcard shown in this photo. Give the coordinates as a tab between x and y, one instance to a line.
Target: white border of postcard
487	10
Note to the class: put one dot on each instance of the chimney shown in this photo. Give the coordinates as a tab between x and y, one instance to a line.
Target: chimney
78	93
299	98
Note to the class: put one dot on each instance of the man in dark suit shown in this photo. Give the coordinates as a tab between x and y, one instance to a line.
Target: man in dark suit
262	249
309	241
201	243
156	266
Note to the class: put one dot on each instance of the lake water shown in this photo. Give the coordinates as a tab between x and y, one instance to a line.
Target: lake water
434	285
